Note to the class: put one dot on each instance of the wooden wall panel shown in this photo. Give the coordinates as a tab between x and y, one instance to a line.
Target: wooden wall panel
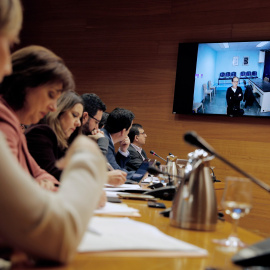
126	52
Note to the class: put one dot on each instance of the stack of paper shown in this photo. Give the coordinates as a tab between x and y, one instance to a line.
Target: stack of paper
118	209
151	179
124	234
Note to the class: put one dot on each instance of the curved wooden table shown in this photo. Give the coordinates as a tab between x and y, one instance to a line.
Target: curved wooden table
217	259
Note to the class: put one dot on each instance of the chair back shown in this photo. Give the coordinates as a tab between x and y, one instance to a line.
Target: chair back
233	74
254	74
242	74
228	74
204	87
221	74
248	74
210	85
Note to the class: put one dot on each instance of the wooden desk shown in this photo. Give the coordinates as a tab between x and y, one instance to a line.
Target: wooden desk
120	260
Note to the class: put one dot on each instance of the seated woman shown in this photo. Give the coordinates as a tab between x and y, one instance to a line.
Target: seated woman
29	214
39	77
48	142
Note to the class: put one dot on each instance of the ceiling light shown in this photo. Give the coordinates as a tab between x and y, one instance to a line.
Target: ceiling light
261	44
224	45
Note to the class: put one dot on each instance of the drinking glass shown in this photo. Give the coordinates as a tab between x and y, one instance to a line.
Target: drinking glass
236	202
163	177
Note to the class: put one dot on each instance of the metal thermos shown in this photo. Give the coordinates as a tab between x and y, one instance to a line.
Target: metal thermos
194	205
172	169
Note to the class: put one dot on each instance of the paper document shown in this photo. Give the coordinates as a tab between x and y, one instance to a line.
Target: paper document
118	209
121	187
112	194
151	179
124	234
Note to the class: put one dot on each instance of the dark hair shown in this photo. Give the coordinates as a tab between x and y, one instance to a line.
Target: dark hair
119	119
103	120
235	77
92	103
33	66
134	131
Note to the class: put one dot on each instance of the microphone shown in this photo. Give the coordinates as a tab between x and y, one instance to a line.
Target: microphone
153	153
195	140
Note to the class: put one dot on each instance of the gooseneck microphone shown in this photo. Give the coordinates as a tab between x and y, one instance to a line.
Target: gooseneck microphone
195	140
153	153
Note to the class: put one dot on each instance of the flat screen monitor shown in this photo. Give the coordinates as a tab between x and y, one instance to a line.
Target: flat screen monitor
204	75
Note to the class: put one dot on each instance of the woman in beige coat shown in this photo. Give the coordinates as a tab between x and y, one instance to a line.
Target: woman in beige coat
44	224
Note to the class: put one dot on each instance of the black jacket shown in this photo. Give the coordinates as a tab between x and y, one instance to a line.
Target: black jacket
135	159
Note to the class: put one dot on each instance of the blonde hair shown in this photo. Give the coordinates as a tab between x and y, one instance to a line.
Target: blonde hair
10	17
66	102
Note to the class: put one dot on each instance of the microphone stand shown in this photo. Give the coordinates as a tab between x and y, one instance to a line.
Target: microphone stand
155	171
165	193
153	153
196	140
214	176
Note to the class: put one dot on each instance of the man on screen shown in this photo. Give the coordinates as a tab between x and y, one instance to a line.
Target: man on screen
234	95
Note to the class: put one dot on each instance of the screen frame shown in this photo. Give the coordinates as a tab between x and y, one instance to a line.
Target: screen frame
185	78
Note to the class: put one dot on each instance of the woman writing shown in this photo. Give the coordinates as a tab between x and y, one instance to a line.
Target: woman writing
48	142
39	77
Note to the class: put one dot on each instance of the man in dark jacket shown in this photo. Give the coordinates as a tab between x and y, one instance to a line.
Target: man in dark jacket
137	138
234	96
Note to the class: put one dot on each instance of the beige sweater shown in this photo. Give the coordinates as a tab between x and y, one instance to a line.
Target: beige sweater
42	223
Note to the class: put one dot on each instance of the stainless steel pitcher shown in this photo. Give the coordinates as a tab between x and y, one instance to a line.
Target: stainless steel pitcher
194	205
172	169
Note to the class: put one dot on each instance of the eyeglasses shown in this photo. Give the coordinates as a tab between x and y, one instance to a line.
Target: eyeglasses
236	81
98	121
143	133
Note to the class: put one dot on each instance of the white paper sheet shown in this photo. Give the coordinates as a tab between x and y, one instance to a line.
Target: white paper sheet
151	179
119	209
111	234
121	187
112	194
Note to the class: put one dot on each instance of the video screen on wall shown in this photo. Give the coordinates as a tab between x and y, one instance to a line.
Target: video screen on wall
225	78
